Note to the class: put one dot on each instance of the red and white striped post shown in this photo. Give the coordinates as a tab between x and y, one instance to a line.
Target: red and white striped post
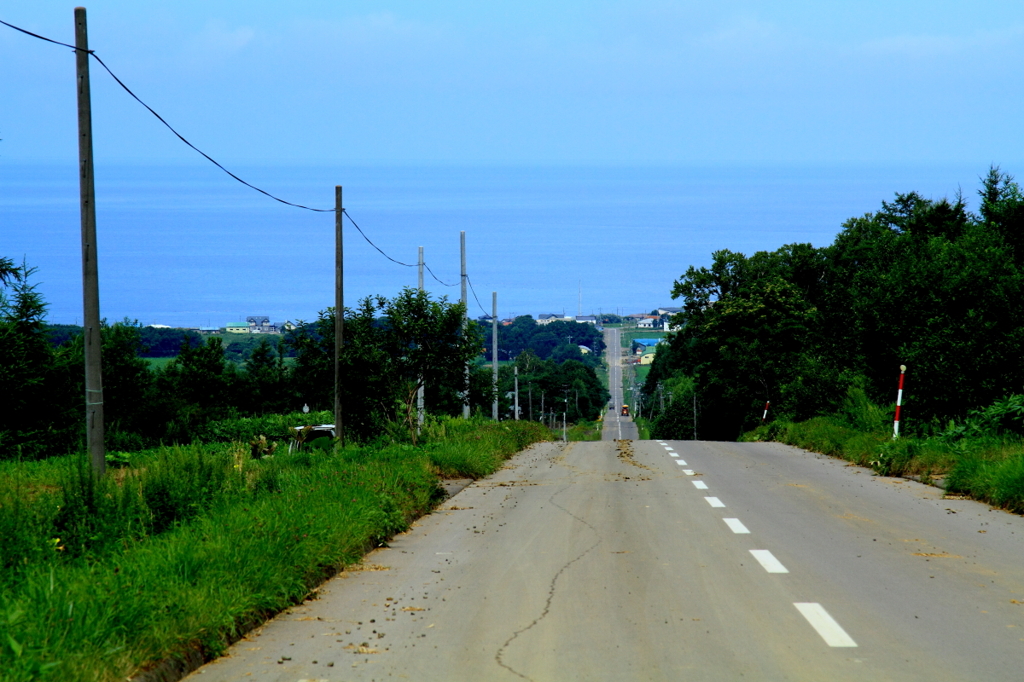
899	401
765	415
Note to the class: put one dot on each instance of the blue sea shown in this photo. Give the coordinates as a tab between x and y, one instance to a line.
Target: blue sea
187	245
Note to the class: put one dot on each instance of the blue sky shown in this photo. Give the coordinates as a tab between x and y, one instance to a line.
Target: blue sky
526	82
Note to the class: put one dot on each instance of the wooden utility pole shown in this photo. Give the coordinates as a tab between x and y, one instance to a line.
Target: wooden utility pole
419	391
517	393
494	354
339	311
465	305
90	272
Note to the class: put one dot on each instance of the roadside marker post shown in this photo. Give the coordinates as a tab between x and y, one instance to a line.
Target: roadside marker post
899	401
765	415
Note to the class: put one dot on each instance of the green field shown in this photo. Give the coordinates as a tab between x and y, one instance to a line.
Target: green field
641	373
186	547
626	337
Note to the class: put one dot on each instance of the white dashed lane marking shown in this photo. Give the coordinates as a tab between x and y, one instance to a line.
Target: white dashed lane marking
768	561
736	526
823	623
827	627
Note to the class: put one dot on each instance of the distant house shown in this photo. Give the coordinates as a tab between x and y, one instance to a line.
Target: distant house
548	319
237	328
647	358
159	326
669	311
587	319
646	322
260	324
585	350
642	346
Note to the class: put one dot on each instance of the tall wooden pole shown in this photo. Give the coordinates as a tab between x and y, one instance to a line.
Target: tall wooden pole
339	311
517	394
90	272
465	306
494	354
420	391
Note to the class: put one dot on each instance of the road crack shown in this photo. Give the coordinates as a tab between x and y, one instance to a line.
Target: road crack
499	656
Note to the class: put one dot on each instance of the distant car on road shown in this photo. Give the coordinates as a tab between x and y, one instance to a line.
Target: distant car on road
625	411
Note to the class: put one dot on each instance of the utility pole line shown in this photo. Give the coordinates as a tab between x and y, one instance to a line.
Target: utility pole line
494	354
517	393
465	305
94	430
339	310
420	390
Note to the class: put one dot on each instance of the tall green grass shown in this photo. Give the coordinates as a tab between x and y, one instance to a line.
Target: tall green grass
188	545
585	430
980	457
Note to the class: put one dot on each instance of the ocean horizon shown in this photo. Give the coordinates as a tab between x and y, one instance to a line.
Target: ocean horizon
186	245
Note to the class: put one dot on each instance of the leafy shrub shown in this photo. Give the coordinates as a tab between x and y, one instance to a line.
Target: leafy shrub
1003	417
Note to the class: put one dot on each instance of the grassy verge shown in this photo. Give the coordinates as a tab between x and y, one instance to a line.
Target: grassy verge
984	465
188	545
643	428
585	430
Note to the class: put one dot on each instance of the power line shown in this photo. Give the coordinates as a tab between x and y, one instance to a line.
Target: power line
439	280
471	288
379	250
209	158
160	118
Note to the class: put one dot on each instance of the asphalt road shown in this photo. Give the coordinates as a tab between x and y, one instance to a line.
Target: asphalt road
616	427
618	561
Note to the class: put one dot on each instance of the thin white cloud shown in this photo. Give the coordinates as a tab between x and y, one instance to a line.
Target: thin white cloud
218	37
743	32
931	46
217	41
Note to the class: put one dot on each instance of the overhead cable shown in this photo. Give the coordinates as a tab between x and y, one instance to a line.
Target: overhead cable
209	158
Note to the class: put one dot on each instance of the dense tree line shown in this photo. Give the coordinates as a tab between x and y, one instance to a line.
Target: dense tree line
158	342
558	341
391	346
568	389
921	282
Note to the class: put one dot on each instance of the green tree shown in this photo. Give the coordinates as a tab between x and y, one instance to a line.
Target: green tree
198	386
266	380
392	347
43	411
128	385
